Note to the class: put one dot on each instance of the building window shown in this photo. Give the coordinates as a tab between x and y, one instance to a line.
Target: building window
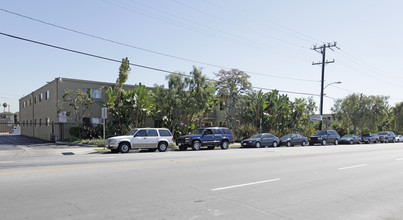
47	94
95	93
47	121
35	122
40	122
222	104
40	97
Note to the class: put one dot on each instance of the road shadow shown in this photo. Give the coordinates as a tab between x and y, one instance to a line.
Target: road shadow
10	139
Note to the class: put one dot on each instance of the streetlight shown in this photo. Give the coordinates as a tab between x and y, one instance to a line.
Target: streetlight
321	103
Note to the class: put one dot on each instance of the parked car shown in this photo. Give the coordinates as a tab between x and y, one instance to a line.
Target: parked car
261	140
324	137
209	137
293	139
142	138
350	139
399	138
370	138
387	137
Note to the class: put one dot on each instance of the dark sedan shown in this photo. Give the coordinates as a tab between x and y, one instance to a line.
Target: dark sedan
261	140
293	139
350	139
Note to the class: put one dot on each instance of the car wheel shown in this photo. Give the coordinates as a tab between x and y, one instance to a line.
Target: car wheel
196	145
303	143
183	148
211	147
351	142
152	149
162	147
124	147
257	145
359	142
275	144
225	145
288	144
324	142
336	142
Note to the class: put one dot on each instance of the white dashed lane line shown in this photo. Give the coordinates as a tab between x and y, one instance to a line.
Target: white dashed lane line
245	184
352	167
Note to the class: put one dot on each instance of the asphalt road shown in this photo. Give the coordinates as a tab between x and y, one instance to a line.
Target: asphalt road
316	182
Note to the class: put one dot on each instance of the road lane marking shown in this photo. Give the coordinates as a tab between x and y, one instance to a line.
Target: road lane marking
6	161
399	159
351	167
245	184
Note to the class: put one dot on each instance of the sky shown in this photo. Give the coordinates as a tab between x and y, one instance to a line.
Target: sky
272	41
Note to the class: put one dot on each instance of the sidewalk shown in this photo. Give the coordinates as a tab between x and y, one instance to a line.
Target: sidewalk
47	149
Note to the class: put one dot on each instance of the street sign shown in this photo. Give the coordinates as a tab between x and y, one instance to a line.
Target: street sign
104	112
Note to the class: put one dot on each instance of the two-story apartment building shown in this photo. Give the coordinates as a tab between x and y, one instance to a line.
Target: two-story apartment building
39	117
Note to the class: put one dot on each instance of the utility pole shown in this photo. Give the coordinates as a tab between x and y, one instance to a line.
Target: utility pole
322	50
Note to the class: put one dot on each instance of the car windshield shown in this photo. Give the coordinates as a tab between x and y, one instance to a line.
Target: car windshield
256	136
383	133
286	136
198	131
321	133
366	135
348	136
132	132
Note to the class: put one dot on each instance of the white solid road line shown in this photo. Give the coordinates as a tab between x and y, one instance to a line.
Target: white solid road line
351	167
246	184
6	161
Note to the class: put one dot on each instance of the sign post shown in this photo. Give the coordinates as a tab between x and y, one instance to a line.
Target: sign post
104	117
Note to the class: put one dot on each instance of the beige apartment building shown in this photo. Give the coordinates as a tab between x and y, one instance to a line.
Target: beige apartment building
39	118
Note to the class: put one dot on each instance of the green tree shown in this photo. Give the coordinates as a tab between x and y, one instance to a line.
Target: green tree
398	118
358	113
231	87
278	113
184	102
78	103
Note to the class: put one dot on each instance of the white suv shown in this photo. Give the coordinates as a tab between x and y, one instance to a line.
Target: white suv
142	138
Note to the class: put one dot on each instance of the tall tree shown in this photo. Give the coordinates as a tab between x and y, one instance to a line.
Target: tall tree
398	118
231	86
184	102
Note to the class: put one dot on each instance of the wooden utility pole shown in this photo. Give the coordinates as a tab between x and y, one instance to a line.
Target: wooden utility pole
322	50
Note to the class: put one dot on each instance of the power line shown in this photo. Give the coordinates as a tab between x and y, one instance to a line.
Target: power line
132	64
147	50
